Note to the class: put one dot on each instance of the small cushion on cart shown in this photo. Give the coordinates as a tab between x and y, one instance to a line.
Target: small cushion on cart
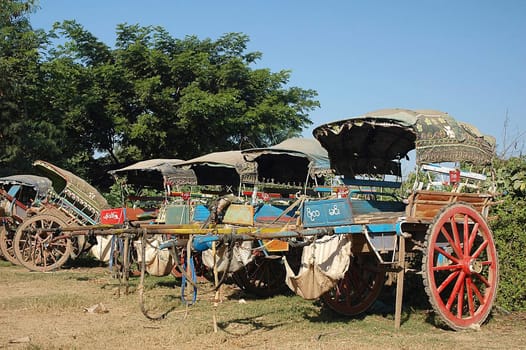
147	215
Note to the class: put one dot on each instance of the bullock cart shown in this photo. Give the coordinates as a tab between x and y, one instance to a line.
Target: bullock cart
73	202
440	231
20	196
437	228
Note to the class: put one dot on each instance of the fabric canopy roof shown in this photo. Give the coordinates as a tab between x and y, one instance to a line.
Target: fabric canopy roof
217	168
42	185
372	143
156	173
291	161
65	181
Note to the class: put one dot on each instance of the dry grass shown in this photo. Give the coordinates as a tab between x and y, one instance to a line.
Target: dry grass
47	311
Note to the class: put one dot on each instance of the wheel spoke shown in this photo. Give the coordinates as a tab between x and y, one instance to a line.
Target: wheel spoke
456	236
33	250
54	253
453	244
354	280
456	288
477	293
447	281
44	257
446	268
466	235
473	235
447	255
346	294
469	295
480	249
460	300
482	279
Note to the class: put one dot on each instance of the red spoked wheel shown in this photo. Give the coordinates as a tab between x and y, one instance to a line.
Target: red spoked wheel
460	267
39	246
358	289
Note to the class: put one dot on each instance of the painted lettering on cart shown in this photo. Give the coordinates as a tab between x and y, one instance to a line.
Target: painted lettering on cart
334	210
312	214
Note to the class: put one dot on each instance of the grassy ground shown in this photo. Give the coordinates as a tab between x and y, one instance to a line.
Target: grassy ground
49	311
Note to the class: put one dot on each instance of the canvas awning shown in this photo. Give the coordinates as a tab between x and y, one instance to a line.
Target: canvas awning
374	142
156	173
291	161
217	168
41	185
66	182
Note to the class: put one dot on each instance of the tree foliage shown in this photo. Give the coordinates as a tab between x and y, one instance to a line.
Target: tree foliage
509	231
67	96
157	96
20	88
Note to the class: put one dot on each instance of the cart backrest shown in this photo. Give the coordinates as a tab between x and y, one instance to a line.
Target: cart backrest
327	212
74	196
424	205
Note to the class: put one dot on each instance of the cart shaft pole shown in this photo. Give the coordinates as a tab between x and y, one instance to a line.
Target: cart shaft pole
400	281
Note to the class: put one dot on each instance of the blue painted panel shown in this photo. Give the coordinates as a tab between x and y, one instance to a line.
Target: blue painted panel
268	213
354	229
268	210
13	190
371	228
360	206
201	213
327	212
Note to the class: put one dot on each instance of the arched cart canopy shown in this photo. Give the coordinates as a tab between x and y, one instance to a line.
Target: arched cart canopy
217	168
41	185
156	172
371	143
72	185
291	161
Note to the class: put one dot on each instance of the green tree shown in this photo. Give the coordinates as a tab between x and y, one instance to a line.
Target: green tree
508	228
157	96
24	134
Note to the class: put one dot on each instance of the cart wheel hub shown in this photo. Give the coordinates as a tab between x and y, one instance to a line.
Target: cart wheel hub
475	266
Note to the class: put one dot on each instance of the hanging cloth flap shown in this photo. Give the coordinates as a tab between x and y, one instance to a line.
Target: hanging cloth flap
158	261
240	256
323	263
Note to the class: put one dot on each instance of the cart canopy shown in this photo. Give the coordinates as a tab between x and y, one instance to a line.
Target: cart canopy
156	173
71	185
41	185
374	142
217	168
294	160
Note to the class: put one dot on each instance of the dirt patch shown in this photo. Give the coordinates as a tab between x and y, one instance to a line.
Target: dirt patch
85	308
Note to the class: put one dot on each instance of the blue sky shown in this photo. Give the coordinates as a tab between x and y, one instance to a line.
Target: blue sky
466	58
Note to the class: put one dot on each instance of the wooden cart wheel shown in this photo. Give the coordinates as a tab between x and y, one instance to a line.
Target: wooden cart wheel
79	243
40	250
358	289
460	267
263	277
6	244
